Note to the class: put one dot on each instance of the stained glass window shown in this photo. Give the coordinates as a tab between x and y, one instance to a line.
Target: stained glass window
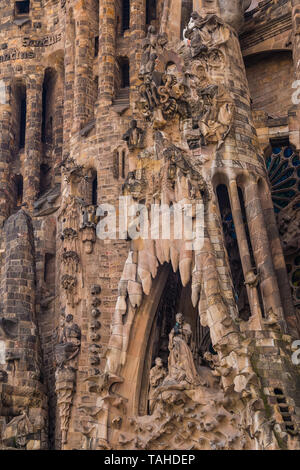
283	167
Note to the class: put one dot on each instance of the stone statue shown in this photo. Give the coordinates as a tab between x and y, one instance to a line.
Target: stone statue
134	136
217	115
66	351
157	376
205	33
69	341
180	363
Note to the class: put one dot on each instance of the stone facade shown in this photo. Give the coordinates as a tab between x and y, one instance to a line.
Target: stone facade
126	342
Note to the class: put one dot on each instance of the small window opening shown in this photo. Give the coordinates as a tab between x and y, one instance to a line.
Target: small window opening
49	271
125	81
22	7
123	164
125	15
150	11
23	107
96	46
47	97
18	182
95	190
45	178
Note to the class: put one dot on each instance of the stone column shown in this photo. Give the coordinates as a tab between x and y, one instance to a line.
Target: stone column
261	250
83	67
33	146
19	332
277	255
5	152
69	80
244	253
107	40
137	33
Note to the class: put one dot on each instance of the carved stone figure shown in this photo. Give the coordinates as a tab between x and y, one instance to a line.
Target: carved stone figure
217	114
205	33
69	341
181	367
66	352
156	378
134	136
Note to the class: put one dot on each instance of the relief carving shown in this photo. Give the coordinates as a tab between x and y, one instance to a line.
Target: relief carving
66	353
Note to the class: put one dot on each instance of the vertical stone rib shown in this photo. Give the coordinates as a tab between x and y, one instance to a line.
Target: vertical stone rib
5	157
137	32
277	256
107	39
33	145
261	250
24	390
83	67
69	80
244	250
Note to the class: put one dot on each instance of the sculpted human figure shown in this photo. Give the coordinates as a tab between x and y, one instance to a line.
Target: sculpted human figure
217	115
157	376
205	33
134	136
69	341
180	363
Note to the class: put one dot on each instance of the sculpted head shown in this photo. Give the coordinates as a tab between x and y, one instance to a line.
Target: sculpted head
158	362
179	318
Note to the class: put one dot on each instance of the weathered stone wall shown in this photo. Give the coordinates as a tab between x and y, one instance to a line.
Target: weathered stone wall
270	78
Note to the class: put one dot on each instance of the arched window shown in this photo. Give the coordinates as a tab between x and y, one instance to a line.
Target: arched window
150	11
283	165
230	237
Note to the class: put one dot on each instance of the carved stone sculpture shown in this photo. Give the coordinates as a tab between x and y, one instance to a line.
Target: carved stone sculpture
181	367
156	378
134	136
66	351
